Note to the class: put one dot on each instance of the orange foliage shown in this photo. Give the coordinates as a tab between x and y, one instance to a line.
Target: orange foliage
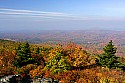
83	66
39	71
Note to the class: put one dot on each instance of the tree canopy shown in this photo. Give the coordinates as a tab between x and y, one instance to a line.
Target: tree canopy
23	55
108	58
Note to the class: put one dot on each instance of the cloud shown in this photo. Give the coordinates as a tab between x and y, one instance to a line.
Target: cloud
42	14
5	11
54	15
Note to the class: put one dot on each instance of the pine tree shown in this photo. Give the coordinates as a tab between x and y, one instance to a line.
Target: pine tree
23	55
58	61
108	58
37	50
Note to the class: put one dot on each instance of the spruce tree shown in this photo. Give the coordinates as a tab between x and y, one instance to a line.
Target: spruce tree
23	55
108	58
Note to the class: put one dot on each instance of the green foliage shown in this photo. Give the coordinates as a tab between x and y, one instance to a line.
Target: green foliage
25	69
51	62
23	55
58	61
122	63
37	50
108	58
110	49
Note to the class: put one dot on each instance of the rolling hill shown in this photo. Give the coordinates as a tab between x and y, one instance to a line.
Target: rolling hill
90	39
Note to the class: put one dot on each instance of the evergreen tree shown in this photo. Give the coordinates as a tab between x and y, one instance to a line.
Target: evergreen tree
37	50
108	58
58	61
23	55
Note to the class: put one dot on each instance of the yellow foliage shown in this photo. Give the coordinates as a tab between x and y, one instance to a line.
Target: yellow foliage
79	57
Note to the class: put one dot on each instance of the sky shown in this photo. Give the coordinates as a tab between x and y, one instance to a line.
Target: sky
62	15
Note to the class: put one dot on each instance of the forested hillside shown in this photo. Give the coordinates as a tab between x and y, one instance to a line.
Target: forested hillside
67	63
93	40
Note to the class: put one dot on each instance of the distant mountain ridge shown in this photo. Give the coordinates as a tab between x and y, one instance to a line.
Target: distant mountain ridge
78	36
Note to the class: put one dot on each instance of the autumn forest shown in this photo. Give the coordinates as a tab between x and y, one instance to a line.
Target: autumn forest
67	62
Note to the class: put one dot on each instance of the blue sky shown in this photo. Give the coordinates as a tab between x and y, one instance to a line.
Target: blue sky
62	14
